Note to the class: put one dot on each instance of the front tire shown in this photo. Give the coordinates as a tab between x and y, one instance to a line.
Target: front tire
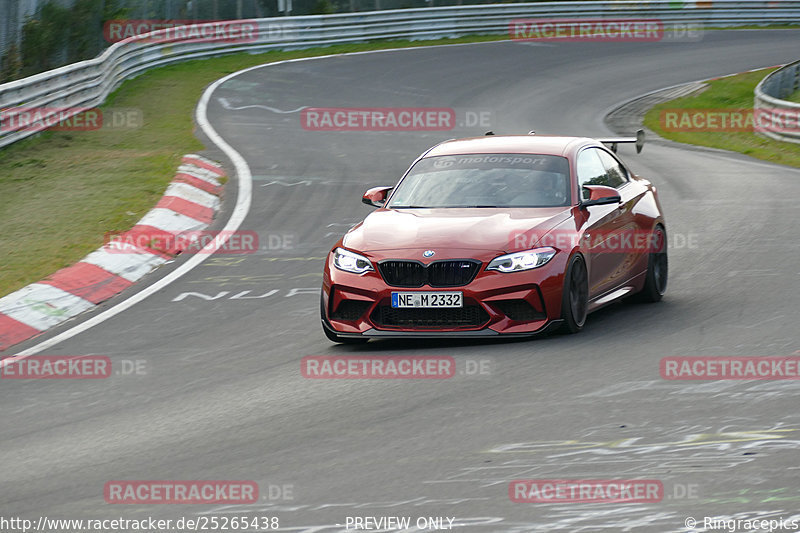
655	284
575	295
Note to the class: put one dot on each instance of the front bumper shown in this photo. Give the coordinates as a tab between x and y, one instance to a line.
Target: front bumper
513	304
467	334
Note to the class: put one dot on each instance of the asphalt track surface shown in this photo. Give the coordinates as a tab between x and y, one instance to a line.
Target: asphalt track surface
221	396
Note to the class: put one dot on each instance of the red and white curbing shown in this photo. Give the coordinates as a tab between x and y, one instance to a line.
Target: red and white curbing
189	204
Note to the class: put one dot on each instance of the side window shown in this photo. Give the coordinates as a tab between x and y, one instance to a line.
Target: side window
590	171
617	175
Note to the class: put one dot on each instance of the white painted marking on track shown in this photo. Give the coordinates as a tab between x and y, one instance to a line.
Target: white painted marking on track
227	105
285	184
529	43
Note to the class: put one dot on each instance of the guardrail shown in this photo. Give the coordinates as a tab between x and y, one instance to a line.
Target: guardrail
64	91
777	118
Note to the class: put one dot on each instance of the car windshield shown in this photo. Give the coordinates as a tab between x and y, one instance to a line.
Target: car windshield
485	180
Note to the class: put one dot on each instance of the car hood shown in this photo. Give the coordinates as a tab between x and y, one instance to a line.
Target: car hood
440	229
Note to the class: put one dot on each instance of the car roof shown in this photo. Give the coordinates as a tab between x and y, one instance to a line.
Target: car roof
513	144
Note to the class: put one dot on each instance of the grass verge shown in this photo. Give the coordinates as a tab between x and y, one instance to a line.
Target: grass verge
731	92
60	192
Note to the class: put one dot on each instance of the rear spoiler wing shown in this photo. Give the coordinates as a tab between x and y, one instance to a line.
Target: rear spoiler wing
614	141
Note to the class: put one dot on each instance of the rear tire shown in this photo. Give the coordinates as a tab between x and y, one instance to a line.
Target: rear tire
655	284
575	296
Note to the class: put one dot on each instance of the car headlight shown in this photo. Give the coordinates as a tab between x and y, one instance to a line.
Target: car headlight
351	262
520	261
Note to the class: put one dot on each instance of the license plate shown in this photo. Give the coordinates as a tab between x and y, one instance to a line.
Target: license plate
427	299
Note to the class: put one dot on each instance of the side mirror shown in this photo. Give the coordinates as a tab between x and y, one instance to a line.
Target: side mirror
601	195
376	196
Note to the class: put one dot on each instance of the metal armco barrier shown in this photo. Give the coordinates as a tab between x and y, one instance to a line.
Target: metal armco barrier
779	119
64	91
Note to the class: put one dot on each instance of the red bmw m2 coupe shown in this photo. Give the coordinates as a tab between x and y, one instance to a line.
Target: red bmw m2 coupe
497	235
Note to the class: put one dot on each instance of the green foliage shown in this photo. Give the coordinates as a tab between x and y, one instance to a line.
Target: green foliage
11	65
58	35
323	7
731	92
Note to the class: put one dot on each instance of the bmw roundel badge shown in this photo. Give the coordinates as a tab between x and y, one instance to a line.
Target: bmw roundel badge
428	253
